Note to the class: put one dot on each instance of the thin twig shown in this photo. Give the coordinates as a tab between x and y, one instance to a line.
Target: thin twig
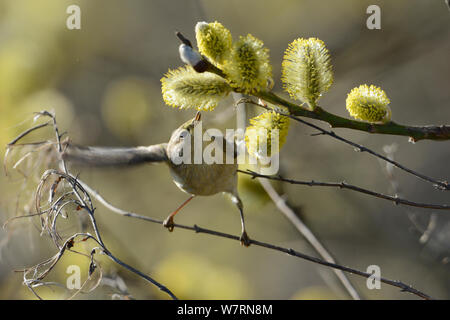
281	204
26	132
294	219
426	231
441	185
344	185
292	252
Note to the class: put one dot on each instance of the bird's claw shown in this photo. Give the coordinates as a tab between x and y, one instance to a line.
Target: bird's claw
168	223
245	240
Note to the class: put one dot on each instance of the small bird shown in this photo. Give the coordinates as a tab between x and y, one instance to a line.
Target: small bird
200	179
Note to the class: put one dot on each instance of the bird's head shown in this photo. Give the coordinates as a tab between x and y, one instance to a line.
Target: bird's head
190	124
183	135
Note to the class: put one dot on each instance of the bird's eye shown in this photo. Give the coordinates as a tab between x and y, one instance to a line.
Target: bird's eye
183	134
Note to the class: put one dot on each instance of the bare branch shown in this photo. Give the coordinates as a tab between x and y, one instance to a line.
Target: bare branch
344	185
292	252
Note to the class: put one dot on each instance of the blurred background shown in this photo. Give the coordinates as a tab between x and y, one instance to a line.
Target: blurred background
103	83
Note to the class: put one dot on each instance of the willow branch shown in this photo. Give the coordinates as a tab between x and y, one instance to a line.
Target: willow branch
416	133
344	185
442	185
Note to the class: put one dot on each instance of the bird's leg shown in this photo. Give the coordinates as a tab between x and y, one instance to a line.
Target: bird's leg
168	223
245	240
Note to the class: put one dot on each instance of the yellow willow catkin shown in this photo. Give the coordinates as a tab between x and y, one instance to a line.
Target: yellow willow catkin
185	88
258	136
369	103
214	41
248	67
306	70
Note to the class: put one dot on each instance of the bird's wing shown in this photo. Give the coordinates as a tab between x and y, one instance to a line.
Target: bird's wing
107	156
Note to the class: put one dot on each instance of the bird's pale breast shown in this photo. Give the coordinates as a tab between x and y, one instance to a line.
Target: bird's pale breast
205	179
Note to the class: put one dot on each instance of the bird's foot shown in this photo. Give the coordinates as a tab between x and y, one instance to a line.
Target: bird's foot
245	240
168	223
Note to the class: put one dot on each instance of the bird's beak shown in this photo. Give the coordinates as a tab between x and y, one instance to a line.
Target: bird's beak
197	118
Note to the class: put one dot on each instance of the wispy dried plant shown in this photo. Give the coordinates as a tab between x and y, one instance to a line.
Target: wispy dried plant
58	195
